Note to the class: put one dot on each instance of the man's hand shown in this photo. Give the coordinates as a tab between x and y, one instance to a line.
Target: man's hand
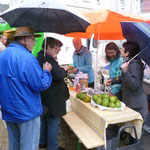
124	66
47	66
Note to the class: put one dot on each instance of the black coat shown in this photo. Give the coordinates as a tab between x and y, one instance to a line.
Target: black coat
132	87
55	96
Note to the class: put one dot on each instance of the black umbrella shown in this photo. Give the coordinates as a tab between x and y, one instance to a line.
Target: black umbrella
46	16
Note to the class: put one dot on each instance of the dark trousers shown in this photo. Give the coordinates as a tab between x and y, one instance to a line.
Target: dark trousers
48	132
91	85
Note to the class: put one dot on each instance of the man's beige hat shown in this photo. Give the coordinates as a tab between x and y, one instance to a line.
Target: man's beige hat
9	33
25	31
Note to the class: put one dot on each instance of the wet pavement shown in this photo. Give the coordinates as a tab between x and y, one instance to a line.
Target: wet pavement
66	138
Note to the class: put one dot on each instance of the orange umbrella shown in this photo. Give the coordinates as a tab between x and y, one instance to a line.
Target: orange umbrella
84	35
105	24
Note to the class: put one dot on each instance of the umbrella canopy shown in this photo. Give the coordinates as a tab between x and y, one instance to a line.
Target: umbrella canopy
46	16
138	32
105	24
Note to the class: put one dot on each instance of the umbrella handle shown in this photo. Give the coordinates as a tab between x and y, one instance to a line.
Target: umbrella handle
134	57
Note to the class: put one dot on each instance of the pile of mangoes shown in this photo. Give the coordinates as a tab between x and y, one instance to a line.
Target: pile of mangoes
107	101
84	97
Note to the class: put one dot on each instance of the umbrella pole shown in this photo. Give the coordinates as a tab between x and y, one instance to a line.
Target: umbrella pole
45	47
95	86
45	44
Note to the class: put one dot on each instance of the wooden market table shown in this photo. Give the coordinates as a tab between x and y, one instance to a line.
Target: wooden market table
89	123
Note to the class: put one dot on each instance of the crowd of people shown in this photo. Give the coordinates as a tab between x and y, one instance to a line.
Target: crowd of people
36	92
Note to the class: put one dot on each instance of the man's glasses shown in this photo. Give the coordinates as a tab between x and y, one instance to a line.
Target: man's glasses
33	38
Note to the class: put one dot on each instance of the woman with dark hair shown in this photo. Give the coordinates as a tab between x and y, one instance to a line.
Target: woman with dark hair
132	78
113	56
54	98
130	48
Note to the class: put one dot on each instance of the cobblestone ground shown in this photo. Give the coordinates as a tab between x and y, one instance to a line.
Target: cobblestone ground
66	138
3	136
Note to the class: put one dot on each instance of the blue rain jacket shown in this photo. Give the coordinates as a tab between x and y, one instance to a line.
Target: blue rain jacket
83	61
115	71
21	80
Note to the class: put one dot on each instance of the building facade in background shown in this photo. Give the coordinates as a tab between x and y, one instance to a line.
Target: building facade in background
122	6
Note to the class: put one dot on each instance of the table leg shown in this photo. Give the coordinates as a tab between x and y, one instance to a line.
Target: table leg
78	144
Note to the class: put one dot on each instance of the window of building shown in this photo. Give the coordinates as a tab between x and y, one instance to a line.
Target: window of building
87	0
122	2
99	1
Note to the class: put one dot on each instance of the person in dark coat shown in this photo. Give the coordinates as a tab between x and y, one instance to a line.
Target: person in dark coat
59	45
53	99
132	78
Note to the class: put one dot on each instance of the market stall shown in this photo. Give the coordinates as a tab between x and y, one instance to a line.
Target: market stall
98	120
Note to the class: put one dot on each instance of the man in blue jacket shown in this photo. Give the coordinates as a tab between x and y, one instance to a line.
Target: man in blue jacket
21	80
82	60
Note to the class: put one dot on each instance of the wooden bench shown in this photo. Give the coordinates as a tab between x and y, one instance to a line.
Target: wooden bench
83	132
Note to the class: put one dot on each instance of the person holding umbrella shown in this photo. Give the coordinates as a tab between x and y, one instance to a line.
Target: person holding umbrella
21	80
132	79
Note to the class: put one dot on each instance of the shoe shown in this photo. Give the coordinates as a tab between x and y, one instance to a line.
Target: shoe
61	148
42	145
